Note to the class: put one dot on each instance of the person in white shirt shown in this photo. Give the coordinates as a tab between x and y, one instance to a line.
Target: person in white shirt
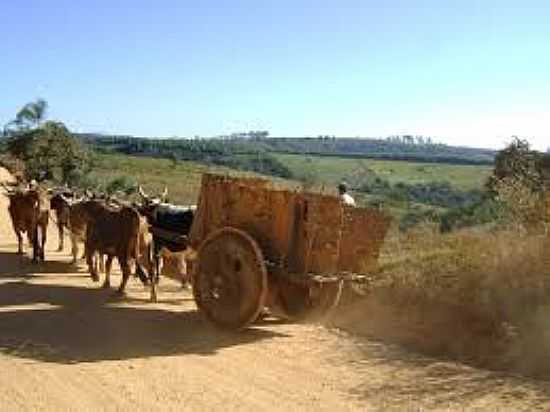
345	197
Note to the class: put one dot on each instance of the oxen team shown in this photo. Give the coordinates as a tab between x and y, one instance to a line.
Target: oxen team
138	235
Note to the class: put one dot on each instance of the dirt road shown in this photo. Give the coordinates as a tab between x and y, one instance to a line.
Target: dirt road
65	344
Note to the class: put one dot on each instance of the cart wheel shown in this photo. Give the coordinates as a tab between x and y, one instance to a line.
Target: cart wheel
230	285
313	303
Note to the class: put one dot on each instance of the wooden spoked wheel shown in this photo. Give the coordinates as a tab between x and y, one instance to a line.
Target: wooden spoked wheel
230	282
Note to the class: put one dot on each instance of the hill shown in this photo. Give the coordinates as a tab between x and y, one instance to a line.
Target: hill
218	149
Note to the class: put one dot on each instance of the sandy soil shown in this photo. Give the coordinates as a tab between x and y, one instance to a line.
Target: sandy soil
65	344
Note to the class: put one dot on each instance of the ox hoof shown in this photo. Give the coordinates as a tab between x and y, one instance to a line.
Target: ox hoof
106	285
95	277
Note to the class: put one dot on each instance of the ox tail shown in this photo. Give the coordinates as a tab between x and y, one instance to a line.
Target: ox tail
139	270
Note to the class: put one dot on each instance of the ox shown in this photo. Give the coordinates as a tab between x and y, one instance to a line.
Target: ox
60	203
115	233
170	226
72	214
29	212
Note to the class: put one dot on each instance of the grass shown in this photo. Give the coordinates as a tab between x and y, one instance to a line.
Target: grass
478	295
182	178
331	170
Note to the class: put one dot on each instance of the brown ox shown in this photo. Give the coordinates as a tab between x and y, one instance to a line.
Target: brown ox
60	203
115	233
29	213
79	215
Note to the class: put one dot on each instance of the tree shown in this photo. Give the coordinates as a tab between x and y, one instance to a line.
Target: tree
53	153
517	161
518	182
48	149
29	116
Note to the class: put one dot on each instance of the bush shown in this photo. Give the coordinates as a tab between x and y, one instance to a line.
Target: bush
121	184
478	296
49	152
486	211
261	162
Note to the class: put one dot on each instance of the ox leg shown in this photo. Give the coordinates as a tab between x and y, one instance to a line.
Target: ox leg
30	234
74	248
107	282
154	275
125	268
43	238
157	268
92	265
35	245
61	237
153	295
101	262
141	274
19	242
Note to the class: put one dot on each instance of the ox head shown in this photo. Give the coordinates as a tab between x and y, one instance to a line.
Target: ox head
62	196
92	195
11	189
153	200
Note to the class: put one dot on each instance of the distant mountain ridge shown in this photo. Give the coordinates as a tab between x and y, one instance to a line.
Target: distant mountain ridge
202	149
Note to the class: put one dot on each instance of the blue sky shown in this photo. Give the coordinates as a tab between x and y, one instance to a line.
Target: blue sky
473	73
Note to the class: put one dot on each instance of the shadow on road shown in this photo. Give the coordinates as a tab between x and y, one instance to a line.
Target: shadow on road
87	325
13	265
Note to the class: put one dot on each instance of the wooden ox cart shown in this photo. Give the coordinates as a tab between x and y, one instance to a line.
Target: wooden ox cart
260	247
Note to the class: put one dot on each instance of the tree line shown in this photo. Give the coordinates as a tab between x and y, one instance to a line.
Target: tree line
405	148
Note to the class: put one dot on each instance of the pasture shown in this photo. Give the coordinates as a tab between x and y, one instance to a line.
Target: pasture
183	177
330	170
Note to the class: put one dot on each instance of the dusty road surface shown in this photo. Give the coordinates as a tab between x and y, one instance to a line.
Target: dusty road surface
65	344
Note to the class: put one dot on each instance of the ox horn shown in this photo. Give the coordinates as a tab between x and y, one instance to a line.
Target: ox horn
164	194
65	199
142	193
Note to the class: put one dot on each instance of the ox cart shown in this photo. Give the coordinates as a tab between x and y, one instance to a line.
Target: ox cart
291	252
